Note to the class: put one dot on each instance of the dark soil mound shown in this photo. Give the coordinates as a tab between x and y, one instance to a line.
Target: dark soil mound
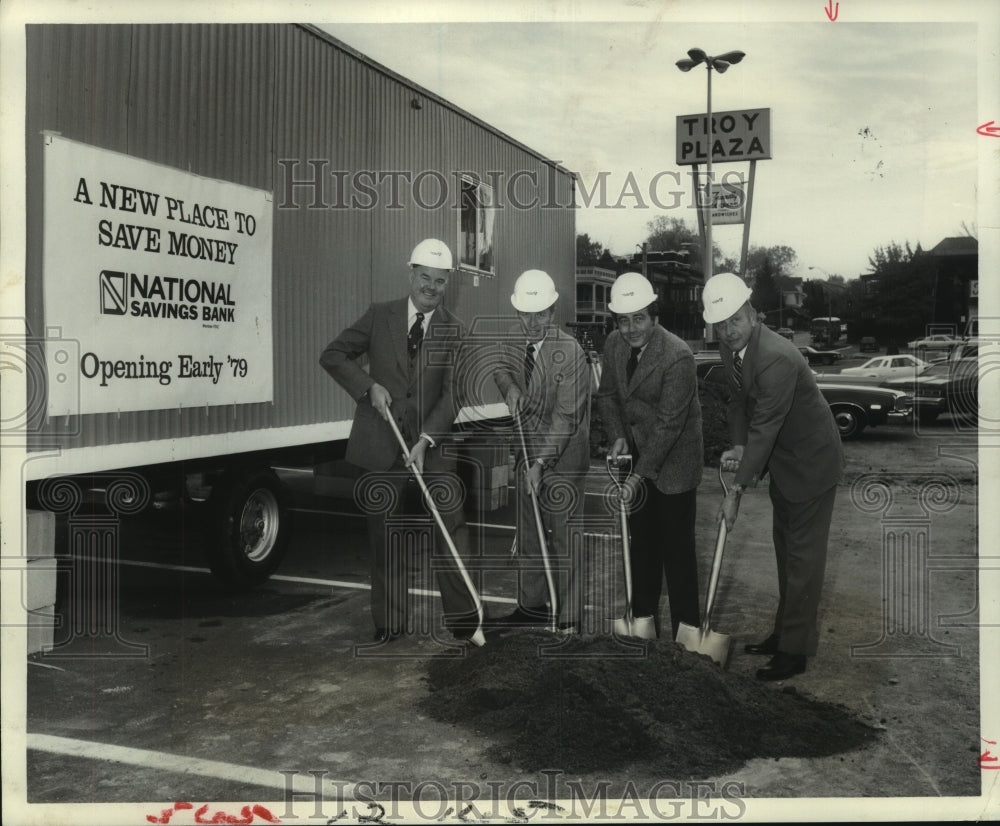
592	705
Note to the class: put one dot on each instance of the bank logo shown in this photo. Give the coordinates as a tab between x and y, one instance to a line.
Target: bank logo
113	293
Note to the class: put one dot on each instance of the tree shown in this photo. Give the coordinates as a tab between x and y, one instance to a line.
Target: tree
673	235
608	261
766	287
901	299
780	258
588	252
767	267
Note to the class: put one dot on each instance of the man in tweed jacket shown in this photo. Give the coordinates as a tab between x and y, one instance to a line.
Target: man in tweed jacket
650	409
551	394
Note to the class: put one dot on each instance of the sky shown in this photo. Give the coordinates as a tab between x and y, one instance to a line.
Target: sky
873	124
873	114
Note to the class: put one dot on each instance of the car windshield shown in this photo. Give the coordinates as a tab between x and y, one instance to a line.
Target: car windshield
936	370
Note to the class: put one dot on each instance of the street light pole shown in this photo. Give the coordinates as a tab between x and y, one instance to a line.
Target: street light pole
720	64
644	246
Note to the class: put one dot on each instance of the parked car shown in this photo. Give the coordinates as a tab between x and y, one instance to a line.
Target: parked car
938	341
854	406
946	387
887	367
814	356
969	348
868	344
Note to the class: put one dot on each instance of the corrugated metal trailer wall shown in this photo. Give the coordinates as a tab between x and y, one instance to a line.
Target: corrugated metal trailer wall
268	106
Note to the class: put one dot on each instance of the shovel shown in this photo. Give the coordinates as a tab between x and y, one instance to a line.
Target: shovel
477	638
540	527
628	626
704	640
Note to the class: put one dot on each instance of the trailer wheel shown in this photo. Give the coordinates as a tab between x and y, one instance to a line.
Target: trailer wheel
252	530
850	420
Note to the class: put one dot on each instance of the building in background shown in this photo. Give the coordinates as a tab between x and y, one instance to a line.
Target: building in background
956	282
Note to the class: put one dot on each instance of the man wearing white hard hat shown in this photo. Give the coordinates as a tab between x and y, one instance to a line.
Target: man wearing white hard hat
648	401
418	393
545	380
779	423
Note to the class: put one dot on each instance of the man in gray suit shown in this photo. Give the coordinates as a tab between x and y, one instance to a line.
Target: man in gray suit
648	400
545	380
418	393
780	423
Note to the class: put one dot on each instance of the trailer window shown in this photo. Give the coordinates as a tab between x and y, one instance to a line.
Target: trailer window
475	227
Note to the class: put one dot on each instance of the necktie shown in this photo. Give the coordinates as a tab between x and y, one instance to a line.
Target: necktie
529	362
415	336
633	362
738	371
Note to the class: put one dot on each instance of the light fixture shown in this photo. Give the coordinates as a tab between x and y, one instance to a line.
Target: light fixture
720	63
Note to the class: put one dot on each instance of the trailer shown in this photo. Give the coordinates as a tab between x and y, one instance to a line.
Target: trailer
207	206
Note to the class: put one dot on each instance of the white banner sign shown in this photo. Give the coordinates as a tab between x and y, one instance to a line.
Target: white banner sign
728	201
160	282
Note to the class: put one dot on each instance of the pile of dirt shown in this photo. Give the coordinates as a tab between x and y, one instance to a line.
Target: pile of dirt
593	705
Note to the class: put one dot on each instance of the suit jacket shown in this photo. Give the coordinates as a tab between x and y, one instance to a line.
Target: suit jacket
658	411
555	405
782	419
423	399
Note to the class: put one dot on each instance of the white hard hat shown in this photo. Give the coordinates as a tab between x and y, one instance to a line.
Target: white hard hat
631	292
534	291
431	253
723	295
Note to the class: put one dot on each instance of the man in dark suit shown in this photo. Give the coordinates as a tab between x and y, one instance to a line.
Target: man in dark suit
648	400
779	422
418	393
544	378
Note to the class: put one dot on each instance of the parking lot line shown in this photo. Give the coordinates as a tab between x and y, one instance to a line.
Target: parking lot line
301	580
183	764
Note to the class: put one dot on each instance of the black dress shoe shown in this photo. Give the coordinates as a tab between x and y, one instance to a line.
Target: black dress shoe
569	628
385	635
782	666
523	618
768	646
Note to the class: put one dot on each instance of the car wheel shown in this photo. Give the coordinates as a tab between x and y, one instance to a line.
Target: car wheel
850	420
251	530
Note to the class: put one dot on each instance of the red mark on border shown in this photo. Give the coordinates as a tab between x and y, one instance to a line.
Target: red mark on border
832	10
987	760
246	815
990	130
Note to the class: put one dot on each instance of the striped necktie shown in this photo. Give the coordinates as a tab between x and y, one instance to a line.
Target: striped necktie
529	363
738	371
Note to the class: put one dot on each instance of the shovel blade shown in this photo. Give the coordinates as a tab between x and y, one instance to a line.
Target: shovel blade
644	627
705	641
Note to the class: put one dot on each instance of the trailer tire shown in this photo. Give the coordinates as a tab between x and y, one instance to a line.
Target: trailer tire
251	533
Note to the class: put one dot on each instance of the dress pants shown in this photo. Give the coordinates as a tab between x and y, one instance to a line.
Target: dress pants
561	505
662	529
389	548
801	531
